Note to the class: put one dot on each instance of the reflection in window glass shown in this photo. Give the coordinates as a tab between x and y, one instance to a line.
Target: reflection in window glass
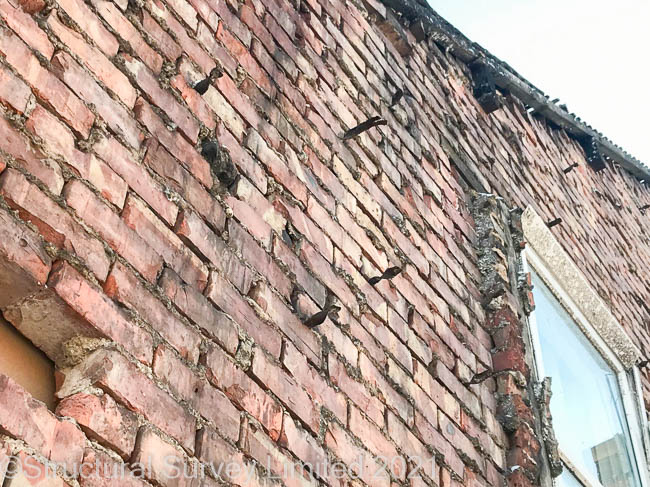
587	407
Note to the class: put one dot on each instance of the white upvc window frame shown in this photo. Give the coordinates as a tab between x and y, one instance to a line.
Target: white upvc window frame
632	400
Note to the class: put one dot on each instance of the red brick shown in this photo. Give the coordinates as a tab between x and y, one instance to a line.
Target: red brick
258	258
32	6
115	115
103	471
226	113
148	83
32	159
314	288
126	31
29	471
287	389
98	64
24	263
195	232
322	268
208	401
435	440
243	391
123	286
111	228
165	242
60	140
307	228
13	91
194	101
238	100
288	322
175	143
29	420
242	159
136	176
344	447
251	220
198	309
185	11
304	446
245	191
226	297
26	27
54	223
103	420
388	340
116	375
162	462
276	166
384	390
377	443
317	387
166	44
45	84
188	45
91	25
99	311
227	462
412	446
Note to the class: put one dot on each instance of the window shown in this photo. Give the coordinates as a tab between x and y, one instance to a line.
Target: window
595	412
26	364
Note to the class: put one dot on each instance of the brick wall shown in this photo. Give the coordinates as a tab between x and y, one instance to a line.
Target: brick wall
172	305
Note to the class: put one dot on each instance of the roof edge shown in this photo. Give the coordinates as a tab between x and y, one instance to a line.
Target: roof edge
506	78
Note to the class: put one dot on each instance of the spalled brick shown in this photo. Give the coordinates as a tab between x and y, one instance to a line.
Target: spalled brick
45	85
164	241
91	25
61	141
24	263
102	419
225	296
166	44
243	391
26	27
287	389
136	176
13	91
29	420
102	470
116	375
198	309
124	287
114	114
111	228
175	143
53	222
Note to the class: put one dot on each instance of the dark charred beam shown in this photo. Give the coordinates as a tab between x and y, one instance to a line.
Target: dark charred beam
595	158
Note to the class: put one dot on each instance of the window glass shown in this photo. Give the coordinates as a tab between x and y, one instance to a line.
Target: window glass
586	405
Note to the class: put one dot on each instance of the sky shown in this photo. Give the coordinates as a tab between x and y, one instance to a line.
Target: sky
592	54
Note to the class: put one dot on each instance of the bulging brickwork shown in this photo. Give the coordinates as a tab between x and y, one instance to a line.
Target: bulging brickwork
172	302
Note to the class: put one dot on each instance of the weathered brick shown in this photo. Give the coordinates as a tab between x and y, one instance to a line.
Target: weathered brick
91	25
101	470
60	140
251	220
103	420
245	191
162	462
99	311
24	263
287	389
100	66
114	114
226	462
111	228
30	158
45	85
243	391
13	91
124	287
226	297
183	182
116	375
136	176
26	27
166	44
300	442
165	242
29	471
194	101
148	83
29	420
126	31
53	222
198	309
175	143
